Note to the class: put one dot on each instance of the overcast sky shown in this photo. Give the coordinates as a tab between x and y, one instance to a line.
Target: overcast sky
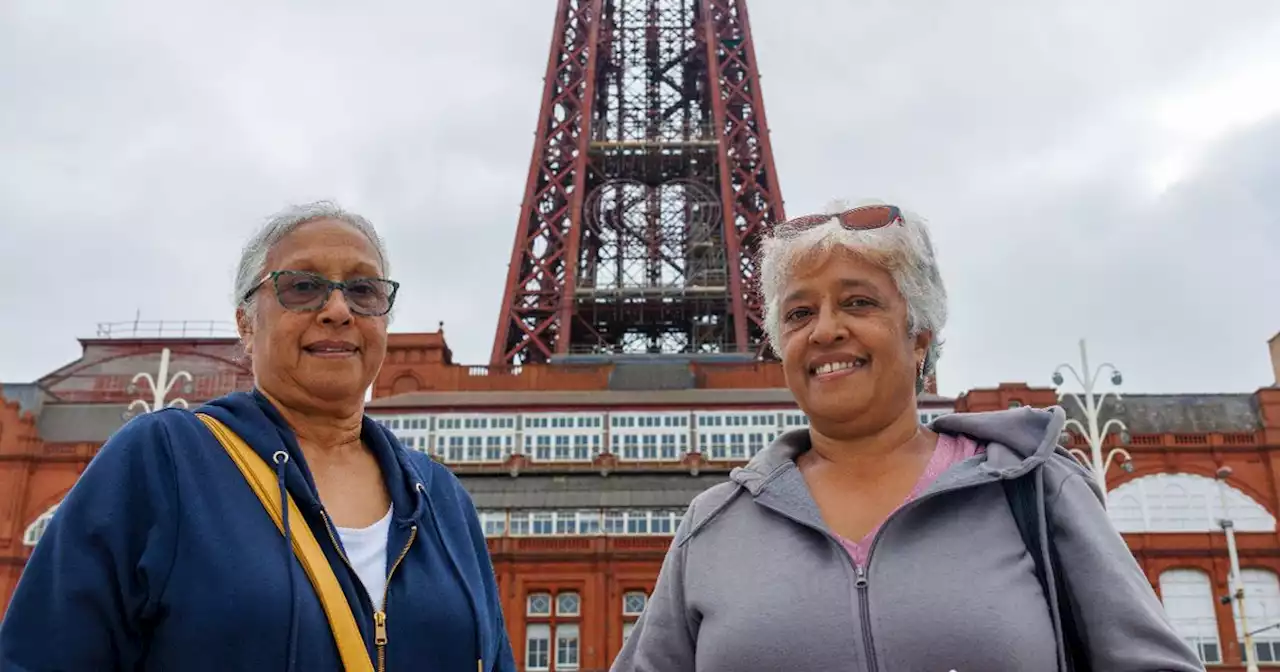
1098	169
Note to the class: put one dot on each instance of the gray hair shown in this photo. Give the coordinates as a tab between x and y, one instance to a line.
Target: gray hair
253	260
906	252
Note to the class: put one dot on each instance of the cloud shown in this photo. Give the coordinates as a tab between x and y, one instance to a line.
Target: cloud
1091	169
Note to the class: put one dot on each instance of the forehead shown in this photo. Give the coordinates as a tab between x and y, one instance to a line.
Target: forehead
837	267
325	246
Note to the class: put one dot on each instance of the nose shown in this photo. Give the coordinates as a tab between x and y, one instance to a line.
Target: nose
828	328
336	311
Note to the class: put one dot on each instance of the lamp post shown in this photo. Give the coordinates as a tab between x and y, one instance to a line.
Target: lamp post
1235	582
1091	407
161	386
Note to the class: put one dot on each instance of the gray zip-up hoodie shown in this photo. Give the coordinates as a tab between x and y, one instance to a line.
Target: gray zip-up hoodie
754	581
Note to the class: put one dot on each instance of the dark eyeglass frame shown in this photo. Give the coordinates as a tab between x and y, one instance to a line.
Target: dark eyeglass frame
861	218
330	285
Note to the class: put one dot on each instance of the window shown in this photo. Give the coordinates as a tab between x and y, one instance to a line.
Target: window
1183	503
567	646
475	448
454	452
568	604
36	529
669	443
580	522
497	448
1188	601
1262	604
494	523
539	604
649	447
552	640
537	646
717	446
542	446
633	603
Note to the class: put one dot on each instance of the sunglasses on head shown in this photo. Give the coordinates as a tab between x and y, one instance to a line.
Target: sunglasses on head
301	291
863	218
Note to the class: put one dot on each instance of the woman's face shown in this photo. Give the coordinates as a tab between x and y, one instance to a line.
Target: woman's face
846	353
320	358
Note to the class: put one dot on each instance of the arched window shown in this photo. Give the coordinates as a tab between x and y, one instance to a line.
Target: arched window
1262	605
1183	503
1188	600
36	529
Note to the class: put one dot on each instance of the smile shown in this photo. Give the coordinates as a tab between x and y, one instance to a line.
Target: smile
331	349
827	369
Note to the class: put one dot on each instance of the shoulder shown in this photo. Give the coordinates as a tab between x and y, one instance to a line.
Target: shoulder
1064	474
705	508
147	437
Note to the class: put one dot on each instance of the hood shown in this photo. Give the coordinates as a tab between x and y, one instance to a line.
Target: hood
259	423
252	416
1017	440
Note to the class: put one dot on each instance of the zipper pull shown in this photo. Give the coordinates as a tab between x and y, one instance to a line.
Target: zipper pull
480	665
862	577
380	628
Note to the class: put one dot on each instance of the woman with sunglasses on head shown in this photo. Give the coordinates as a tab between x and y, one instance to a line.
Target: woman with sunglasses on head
868	542
169	553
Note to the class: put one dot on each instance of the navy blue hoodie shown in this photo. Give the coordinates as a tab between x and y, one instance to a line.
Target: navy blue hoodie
162	558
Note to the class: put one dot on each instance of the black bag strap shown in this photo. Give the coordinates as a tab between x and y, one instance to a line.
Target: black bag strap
1021	493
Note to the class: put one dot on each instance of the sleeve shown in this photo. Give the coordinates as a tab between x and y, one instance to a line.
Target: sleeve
505	660
90	591
1119	617
664	637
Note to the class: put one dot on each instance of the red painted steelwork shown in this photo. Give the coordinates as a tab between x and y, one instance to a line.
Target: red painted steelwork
650	184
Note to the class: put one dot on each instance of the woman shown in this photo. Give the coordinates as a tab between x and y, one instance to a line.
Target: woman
162	557
868	542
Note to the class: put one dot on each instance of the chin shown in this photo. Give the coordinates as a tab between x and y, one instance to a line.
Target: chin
334	390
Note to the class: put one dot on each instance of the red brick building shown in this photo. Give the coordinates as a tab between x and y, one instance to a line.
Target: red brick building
582	469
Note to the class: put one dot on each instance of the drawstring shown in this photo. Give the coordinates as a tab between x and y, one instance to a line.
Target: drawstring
281	458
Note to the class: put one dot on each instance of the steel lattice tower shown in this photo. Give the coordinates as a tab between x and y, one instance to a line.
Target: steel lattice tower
651	182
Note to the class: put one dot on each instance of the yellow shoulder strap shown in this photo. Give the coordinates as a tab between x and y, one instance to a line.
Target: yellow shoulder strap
263	481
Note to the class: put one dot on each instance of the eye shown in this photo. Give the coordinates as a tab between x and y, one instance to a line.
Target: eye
859	302
796	314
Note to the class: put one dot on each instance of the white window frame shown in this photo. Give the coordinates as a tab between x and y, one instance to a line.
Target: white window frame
537	633
31	536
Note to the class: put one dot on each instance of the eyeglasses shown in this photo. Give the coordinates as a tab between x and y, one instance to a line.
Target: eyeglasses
300	291
864	218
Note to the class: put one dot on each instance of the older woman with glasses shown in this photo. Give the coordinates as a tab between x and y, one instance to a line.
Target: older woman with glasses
173	551
868	542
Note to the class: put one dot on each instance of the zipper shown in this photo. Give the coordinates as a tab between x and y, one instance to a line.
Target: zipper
861	583
380	616
865	605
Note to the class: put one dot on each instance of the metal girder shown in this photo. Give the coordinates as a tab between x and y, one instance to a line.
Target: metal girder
650	108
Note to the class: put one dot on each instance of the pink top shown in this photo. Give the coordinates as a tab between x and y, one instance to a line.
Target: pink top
949	451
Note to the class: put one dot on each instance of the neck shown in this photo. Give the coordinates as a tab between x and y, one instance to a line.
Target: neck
869	455
321	429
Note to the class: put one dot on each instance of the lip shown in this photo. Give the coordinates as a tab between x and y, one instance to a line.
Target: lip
331	349
836	358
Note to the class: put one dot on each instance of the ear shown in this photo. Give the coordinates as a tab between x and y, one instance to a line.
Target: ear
244	325
921	346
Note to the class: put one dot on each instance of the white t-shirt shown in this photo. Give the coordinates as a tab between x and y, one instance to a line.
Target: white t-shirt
366	549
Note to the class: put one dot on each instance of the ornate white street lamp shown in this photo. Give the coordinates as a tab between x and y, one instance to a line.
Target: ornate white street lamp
161	386
1091	406
1235	582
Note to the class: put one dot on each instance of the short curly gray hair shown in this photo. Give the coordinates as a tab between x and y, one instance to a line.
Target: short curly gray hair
906	252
